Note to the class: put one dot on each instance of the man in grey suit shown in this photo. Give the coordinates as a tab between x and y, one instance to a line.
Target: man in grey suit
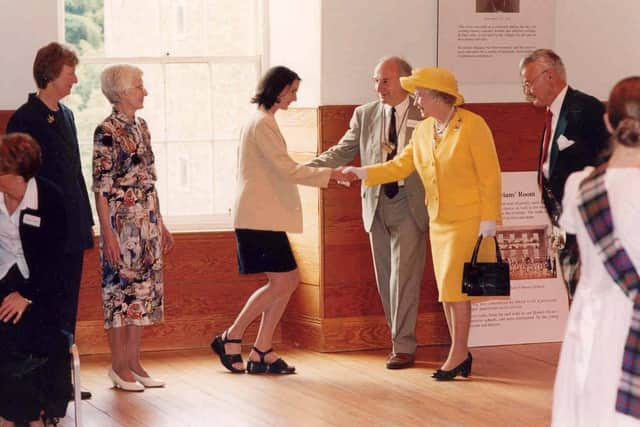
394	214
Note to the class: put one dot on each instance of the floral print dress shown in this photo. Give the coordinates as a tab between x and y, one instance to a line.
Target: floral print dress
124	173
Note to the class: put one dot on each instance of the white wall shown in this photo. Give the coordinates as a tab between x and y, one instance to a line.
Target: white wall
357	33
334	45
294	41
25	26
596	39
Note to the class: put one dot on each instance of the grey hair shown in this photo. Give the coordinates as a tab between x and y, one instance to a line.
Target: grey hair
117	78
404	69
442	97
547	57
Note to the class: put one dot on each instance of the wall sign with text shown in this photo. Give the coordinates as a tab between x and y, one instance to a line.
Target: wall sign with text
482	41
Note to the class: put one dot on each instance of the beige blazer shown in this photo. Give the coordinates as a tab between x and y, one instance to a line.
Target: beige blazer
267	197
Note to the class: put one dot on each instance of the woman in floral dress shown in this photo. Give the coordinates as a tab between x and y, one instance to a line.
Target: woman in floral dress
133	235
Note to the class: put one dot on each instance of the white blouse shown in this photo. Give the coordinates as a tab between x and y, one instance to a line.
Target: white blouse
11	251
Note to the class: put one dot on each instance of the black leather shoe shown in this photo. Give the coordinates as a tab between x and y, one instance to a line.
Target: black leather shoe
463	369
84	395
279	367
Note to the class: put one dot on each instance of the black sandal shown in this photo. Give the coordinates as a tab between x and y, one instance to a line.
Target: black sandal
279	367
227	360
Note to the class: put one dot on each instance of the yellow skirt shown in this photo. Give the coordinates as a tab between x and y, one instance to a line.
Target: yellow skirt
451	246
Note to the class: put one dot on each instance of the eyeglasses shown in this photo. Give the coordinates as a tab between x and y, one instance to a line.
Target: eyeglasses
526	85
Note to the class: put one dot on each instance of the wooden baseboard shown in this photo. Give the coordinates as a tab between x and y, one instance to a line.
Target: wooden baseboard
178	334
357	333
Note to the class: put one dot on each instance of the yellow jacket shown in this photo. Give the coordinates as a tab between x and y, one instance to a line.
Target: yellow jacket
461	174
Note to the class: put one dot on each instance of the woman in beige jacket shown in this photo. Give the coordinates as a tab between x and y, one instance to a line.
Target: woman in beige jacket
267	206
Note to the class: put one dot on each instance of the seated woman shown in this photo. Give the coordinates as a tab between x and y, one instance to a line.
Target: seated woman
35	375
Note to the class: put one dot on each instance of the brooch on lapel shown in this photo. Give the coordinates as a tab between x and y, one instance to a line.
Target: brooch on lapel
456	126
388	147
50	119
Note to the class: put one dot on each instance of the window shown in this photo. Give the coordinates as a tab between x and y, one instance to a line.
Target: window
183	172
179	20
201	61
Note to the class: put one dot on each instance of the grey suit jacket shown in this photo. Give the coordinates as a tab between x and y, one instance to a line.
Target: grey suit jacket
364	138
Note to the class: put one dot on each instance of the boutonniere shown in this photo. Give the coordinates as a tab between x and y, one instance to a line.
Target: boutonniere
51	119
388	147
457	124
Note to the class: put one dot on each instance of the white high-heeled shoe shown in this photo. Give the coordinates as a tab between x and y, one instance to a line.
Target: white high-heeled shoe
148	381
124	385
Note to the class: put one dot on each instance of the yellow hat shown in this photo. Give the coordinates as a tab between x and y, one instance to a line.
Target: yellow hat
439	79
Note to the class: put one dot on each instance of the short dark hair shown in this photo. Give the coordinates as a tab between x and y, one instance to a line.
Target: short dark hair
271	84
19	155
49	62
623	111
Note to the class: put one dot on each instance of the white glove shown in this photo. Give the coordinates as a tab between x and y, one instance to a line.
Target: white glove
360	172
487	229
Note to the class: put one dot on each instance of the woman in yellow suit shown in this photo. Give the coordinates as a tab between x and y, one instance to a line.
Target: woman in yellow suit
454	154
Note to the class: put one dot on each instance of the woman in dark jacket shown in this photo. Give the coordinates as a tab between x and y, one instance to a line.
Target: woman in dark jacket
35	376
52	125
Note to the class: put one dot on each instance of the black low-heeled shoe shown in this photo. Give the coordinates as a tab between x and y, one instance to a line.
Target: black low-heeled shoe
279	367
463	369
227	360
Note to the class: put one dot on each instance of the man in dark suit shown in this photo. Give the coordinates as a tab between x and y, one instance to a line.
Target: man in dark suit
394	215
574	137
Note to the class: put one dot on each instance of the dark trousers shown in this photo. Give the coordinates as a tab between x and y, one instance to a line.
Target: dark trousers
72	275
35	371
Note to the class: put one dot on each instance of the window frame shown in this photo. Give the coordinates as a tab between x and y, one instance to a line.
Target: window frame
187	223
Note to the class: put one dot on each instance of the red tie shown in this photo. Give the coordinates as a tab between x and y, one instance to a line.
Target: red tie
548	115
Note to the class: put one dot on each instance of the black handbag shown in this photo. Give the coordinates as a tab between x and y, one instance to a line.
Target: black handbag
486	278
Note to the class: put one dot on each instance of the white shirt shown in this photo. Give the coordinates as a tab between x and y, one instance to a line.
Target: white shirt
11	251
555	108
401	125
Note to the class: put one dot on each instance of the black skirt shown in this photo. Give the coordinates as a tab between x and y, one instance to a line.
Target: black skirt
261	251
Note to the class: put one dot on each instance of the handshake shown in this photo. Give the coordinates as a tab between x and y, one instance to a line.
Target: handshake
346	175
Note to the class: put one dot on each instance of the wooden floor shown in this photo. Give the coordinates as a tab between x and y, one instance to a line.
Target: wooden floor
510	386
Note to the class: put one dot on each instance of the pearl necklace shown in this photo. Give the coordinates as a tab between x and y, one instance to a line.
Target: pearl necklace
440	127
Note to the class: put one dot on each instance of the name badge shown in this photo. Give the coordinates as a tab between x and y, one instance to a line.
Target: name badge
412	123
31	220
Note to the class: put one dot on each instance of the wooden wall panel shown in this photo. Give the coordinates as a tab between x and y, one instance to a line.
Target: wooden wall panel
203	294
306	245
348	287
4	119
517	128
299	126
337	306
358	332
